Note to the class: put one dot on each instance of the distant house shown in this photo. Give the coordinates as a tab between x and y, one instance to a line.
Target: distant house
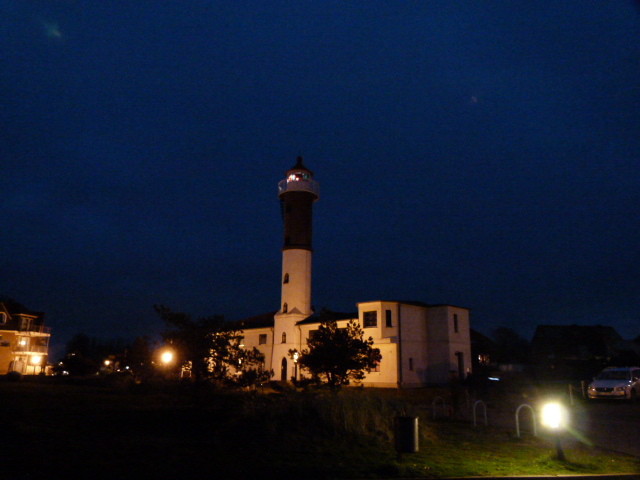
24	340
577	351
483	352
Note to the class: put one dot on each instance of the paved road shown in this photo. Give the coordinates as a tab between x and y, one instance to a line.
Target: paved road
613	425
606	424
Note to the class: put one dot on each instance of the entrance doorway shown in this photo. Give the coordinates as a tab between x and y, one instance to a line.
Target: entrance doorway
283	370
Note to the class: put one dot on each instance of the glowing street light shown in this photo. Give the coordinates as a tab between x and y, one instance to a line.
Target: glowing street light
36	360
166	357
296	355
554	417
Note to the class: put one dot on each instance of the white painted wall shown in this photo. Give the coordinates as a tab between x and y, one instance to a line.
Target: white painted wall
419	348
296	293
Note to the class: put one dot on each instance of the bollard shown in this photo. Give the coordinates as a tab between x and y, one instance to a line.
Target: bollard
406	434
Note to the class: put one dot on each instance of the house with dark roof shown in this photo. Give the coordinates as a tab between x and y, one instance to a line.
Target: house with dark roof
578	351
24	339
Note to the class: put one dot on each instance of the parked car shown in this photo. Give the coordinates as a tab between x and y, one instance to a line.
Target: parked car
616	382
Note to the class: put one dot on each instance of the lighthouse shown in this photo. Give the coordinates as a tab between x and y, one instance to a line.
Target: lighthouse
298	192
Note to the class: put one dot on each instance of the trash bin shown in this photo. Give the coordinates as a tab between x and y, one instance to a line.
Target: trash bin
406	434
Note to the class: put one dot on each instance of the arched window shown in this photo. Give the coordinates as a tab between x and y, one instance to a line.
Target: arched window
285	308
284	337
286	278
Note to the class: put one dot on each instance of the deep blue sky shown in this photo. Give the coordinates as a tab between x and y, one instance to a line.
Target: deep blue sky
485	154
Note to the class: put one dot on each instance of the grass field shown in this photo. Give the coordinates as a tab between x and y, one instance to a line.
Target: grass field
113	430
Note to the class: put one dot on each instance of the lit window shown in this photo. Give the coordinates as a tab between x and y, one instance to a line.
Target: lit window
262	339
370	319
387	313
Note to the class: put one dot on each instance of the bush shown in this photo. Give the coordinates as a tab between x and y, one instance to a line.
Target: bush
350	412
14	376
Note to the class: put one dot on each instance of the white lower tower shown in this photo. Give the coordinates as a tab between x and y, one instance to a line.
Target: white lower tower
297	192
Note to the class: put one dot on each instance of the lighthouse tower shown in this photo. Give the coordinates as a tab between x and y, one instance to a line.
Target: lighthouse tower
297	192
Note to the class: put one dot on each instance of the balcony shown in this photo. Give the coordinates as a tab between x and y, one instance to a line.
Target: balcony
30	329
302	185
31	348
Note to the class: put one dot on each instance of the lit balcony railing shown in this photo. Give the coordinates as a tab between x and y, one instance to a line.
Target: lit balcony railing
36	329
306	185
31	348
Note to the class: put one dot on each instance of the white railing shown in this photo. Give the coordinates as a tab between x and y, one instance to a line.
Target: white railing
31	348
299	186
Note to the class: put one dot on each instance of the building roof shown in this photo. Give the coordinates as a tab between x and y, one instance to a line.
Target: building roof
417	303
299	166
325	314
15	308
575	340
263	320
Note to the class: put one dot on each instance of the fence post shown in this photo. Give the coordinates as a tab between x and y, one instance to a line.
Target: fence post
484	407
533	419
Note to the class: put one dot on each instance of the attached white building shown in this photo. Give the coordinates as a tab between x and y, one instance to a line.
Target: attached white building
420	344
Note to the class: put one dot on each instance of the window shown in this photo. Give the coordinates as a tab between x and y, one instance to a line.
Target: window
3	317
25	324
387	314
284	337
286	278
370	319
262	339
410	363
285	308
376	368
455	322
313	334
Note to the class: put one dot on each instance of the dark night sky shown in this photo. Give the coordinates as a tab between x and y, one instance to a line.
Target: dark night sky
484	154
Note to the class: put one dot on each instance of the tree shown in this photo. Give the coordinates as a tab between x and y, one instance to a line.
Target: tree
139	357
339	355
213	347
84	355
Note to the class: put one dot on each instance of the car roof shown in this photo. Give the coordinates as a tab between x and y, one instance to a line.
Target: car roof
609	369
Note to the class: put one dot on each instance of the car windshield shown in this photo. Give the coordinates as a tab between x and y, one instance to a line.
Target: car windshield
614	375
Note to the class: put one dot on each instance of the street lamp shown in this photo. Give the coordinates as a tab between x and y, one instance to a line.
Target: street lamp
35	361
296	355
166	357
554	417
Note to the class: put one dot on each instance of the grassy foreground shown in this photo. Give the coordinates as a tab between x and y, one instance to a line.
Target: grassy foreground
127	431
